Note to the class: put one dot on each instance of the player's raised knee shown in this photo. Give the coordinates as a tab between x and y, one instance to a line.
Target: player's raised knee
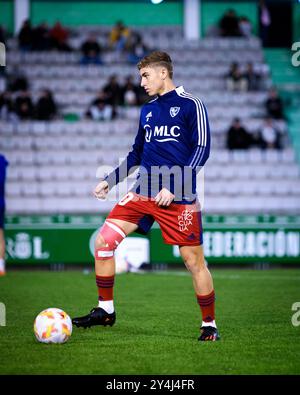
108	239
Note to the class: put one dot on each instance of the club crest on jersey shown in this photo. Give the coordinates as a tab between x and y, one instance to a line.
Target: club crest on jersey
174	111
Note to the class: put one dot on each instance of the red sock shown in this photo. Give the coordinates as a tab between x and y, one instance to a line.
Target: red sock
207	306
105	286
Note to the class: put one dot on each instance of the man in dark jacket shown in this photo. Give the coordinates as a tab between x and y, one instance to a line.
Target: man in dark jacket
237	136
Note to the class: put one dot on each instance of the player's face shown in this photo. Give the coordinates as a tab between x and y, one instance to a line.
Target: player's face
152	80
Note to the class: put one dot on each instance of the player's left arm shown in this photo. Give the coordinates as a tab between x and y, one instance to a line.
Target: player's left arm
200	132
200	135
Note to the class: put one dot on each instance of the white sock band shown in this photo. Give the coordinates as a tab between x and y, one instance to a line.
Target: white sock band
210	323
107	305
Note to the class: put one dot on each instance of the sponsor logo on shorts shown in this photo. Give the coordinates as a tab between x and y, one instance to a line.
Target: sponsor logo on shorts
185	220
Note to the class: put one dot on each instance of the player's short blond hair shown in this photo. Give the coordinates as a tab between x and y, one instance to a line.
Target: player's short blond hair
157	58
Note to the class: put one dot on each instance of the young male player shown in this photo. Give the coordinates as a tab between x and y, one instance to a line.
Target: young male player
173	140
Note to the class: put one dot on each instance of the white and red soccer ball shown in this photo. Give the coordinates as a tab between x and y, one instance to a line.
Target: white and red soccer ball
52	326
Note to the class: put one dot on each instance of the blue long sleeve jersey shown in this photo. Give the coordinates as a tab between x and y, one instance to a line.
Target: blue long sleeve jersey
172	144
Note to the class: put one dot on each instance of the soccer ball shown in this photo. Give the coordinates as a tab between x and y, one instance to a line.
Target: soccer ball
52	326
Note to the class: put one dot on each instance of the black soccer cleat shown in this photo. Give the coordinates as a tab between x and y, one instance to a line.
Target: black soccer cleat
209	333
97	316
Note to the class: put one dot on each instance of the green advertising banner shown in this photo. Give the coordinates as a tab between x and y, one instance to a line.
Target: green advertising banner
69	239
240	239
51	239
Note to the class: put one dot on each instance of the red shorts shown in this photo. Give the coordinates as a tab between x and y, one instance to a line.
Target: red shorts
180	224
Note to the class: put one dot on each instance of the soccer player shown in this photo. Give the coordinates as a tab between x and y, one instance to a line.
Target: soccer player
172	142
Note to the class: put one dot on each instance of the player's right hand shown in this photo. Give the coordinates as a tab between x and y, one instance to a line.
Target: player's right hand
101	190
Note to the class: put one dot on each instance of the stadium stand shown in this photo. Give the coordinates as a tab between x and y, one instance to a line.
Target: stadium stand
58	159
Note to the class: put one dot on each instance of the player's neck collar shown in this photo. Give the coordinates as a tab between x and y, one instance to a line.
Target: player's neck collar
179	89
176	91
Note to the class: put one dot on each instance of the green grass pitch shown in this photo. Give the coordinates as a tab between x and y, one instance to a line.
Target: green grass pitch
157	324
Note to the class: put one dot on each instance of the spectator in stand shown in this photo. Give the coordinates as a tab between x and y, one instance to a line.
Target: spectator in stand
235	81
118	36
7	112
16	80
129	93
245	26
135	47
264	23
91	50
25	36
100	108
45	108
41	38
229	24
24	106
238	137
113	92
269	135
252	77
59	36
274	105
